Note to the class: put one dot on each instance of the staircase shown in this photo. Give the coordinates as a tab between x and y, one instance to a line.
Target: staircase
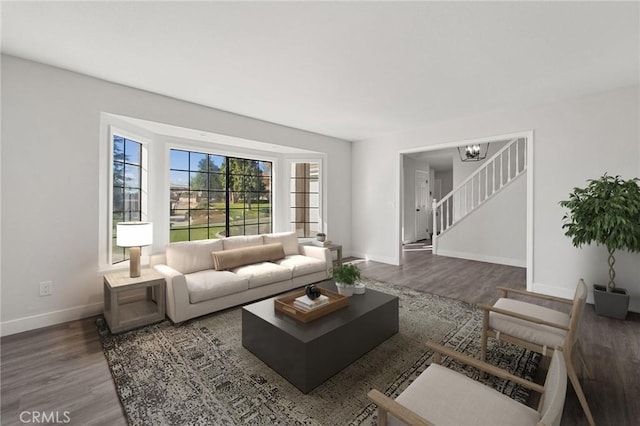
494	175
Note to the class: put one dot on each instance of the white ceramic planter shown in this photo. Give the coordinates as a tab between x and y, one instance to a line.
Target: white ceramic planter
345	290
359	288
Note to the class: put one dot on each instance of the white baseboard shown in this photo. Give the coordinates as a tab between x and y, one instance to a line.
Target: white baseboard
484	258
381	259
50	318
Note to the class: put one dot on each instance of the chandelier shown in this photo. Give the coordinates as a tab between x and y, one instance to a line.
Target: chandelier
474	152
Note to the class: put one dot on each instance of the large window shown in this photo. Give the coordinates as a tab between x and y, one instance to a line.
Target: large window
212	196
305	199
127	176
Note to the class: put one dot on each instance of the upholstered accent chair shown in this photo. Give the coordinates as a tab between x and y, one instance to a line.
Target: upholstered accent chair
540	329
440	396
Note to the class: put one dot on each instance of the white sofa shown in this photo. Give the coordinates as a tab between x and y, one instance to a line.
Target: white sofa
198	285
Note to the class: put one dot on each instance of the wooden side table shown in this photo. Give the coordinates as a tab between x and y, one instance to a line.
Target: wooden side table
122	315
338	249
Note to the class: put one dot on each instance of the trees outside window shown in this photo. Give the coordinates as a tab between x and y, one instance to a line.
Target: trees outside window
212	196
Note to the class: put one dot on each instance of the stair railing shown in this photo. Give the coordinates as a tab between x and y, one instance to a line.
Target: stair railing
497	172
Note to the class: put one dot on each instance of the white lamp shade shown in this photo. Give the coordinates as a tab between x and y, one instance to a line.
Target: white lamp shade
134	234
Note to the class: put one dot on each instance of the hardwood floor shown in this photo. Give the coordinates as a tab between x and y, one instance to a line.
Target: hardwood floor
62	368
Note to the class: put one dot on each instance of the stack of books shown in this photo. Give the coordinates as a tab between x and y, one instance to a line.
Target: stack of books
324	243
305	304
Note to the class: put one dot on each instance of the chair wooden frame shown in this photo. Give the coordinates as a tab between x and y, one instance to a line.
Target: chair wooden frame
387	405
570	346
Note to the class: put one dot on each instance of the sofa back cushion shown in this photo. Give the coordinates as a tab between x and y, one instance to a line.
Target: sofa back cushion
289	241
229	259
242	241
192	256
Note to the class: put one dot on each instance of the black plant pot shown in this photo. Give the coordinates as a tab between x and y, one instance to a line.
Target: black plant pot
613	304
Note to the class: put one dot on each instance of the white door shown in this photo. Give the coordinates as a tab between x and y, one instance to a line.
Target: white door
422	205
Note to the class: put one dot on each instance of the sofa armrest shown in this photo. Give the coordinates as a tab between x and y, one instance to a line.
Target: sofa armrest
321	253
177	293
157	259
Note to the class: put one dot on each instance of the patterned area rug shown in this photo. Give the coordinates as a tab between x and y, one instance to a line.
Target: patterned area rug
199	373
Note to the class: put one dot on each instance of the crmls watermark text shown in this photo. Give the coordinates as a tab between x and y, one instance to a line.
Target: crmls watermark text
56	417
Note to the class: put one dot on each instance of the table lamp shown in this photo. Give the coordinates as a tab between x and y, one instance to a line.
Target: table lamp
134	235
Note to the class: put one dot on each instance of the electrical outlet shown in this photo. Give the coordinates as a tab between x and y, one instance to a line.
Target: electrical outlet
46	288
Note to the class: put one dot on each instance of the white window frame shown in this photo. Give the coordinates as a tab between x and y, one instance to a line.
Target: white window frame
105	236
322	197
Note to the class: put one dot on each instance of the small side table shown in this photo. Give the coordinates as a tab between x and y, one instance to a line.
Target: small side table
122	316
338	249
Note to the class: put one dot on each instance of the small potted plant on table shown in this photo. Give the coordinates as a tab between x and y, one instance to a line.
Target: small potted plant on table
606	212
346	277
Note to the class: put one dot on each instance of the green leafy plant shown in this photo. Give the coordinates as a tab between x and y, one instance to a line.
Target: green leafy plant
606	212
321	234
346	274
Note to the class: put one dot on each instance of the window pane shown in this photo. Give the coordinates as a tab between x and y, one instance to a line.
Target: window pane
216	163
118	173
265	228
178	179
179	160
199	180
118	199
265	168
118	148
132	176
179	219
236	230
132	216
132	152
179	235
198	161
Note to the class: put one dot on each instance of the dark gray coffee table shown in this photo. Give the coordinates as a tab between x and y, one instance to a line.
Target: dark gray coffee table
309	354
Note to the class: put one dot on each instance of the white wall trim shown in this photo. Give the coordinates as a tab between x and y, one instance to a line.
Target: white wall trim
50	318
382	259
483	258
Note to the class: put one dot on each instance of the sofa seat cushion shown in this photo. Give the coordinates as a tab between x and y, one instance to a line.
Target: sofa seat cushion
289	241
192	256
437	386
212	284
229	259
536	333
302	265
263	273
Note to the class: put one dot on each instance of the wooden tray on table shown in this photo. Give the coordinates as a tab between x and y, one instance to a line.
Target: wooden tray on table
285	305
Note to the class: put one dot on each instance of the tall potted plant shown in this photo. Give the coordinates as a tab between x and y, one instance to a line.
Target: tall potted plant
606	212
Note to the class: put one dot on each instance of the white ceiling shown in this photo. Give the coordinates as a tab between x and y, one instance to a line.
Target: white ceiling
352	70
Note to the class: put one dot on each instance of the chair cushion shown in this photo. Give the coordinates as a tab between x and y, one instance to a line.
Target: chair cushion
192	256
302	265
241	241
289	241
211	284
525	330
264	273
229	259
445	397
